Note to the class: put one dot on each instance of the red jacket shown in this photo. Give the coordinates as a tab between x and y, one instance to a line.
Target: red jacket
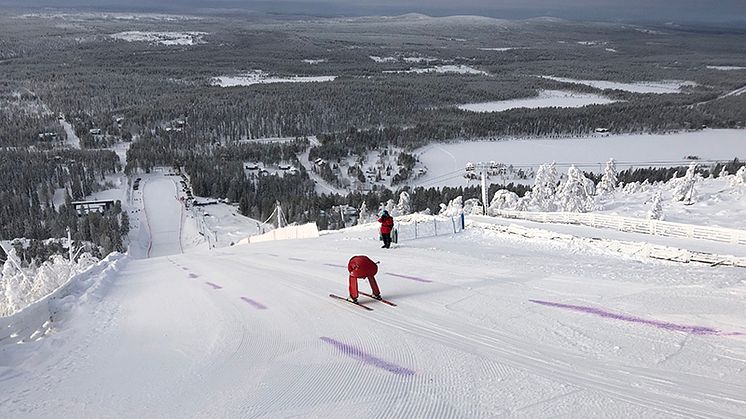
387	224
362	267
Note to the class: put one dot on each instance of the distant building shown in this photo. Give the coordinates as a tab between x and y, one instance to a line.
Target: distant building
87	207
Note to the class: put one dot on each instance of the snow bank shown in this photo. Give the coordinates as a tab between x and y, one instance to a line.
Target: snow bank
627	248
546	99
36	320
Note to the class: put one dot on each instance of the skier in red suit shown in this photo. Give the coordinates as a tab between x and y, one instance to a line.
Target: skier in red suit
387	224
362	267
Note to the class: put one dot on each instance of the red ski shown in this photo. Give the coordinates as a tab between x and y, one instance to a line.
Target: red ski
344	299
381	300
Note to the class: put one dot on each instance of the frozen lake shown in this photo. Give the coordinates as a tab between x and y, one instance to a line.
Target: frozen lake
589	153
546	99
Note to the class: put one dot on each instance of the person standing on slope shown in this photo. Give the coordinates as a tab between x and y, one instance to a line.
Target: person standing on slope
387	224
362	267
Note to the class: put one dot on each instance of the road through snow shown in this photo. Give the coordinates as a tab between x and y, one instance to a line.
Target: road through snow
249	331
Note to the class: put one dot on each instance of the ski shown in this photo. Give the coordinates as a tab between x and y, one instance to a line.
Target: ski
381	300
344	299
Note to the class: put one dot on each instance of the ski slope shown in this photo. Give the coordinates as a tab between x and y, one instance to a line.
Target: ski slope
165	215
487	325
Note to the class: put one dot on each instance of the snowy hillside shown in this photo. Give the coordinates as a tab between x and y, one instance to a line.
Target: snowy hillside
487	324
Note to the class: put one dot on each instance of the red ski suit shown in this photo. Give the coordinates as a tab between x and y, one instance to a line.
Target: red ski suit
362	267
387	224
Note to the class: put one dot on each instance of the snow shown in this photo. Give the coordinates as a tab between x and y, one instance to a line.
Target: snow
610	50
450	68
383	59
72	139
736	92
665	86
163	38
725	67
249	331
261	77
717	203
419	59
545	99
315	61
588	153
501	49
222	225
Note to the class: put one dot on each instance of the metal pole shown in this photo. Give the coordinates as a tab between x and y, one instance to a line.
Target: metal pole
484	192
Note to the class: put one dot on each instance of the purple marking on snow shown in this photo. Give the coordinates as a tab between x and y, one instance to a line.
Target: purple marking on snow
215	286
256	304
298	259
335	265
191	275
366	358
697	330
413	278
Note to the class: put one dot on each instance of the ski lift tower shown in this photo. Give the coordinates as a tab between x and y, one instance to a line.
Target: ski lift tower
277	212
483	169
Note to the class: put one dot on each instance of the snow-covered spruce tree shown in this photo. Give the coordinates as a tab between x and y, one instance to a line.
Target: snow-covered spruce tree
473	206
573	195
388	206
523	202
454	208
545	188
723	172
503	199
684	187
404	207
739	178
609	179
656	207
364	216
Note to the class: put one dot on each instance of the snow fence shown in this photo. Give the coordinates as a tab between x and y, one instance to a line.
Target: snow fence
416	226
305	231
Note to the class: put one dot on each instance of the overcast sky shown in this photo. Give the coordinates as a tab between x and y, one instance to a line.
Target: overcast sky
609	10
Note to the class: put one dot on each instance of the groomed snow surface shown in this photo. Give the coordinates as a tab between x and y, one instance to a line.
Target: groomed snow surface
488	324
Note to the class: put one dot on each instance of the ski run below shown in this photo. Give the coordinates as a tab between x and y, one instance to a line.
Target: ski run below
487	324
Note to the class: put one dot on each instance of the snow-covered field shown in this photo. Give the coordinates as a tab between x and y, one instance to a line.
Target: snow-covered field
545	99
261	77
487	324
726	67
500	49
588	153
449	68
163	38
71	139
665	86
